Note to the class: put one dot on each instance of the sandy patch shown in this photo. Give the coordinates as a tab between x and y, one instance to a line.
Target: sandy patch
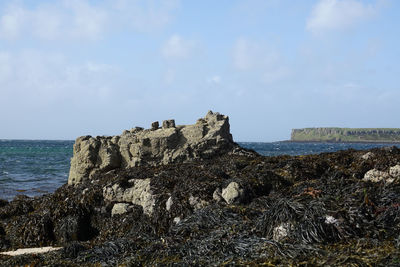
22	251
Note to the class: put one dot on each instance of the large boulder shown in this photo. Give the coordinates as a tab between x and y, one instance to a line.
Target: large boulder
208	137
140	194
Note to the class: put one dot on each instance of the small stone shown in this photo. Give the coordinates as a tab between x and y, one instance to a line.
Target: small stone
177	220
119	208
281	231
331	220
217	195
155	125
168	204
232	192
168	124
395	171
368	156
137	129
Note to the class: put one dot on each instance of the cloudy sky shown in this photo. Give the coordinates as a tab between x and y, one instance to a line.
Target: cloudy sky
77	67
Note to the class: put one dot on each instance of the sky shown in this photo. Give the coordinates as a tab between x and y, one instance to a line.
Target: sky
78	67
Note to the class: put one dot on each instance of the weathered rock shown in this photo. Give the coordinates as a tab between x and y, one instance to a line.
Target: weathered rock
168	124
91	155
376	176
395	171
368	155
232	193
210	136
140	194
155	125
217	195
120	208
282	231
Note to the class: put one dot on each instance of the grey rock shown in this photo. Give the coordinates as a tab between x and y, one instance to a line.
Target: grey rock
368	155
140	194
93	155
376	176
208	137
395	171
217	195
168	124
282	231
232	193
120	208
155	125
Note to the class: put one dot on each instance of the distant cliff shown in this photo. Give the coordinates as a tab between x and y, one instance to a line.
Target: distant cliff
334	134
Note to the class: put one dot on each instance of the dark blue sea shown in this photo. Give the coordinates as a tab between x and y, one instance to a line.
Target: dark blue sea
38	167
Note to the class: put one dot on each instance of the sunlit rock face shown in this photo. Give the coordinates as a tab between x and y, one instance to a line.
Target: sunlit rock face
171	143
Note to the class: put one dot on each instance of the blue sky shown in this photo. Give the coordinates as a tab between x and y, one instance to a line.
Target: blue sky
77	67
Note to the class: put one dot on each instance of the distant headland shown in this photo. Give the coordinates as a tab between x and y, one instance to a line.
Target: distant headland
335	134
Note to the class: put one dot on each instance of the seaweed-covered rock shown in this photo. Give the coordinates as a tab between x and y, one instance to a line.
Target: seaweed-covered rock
30	230
230	209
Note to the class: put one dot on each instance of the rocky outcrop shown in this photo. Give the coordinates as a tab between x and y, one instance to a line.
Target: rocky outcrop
335	134
286	210
208	137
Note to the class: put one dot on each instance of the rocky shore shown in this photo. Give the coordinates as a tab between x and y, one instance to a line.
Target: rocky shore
188	195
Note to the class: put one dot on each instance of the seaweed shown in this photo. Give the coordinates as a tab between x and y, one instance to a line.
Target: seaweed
311	210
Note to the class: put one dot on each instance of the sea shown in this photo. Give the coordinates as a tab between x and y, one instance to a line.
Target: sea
37	167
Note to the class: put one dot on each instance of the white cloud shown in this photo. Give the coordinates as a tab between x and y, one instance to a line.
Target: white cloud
44	78
249	55
216	79
255	57
83	19
169	76
12	21
145	15
46	23
177	47
88	20
339	15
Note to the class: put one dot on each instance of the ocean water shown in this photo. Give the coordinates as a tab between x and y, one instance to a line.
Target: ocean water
38	167
33	167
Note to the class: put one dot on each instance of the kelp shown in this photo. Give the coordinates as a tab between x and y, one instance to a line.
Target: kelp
312	210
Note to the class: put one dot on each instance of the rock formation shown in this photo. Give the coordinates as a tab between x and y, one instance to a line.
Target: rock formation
208	137
335	134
